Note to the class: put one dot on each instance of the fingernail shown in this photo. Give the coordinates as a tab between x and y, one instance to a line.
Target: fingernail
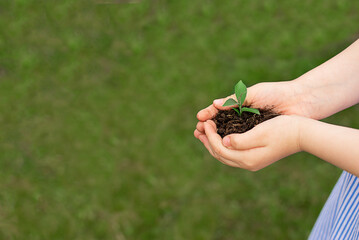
218	101
226	141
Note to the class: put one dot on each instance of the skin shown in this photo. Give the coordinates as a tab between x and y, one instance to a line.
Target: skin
323	91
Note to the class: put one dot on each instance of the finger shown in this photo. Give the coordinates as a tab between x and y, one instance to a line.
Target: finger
203	138
207	113
205	142
254	138
250	96
214	126
218	103
197	133
229	162
215	142
200	127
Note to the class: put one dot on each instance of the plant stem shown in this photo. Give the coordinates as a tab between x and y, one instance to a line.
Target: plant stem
240	106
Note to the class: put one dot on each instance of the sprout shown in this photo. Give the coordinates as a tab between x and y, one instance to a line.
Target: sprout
240	91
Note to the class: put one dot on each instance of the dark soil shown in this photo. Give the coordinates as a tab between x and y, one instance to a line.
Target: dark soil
228	121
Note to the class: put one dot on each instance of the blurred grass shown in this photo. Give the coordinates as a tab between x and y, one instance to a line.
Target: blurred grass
98	105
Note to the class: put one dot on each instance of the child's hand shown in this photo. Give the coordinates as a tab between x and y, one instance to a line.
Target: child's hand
284	97
261	146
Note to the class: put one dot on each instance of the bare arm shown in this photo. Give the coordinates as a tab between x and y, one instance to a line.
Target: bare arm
332	86
334	144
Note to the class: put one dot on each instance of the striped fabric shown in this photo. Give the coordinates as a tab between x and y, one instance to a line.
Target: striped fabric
339	218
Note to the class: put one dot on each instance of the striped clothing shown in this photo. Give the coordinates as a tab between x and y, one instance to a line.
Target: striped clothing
339	218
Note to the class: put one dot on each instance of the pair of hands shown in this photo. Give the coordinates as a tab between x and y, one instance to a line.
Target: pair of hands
269	141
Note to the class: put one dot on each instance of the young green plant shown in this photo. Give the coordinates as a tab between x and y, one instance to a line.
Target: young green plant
240	91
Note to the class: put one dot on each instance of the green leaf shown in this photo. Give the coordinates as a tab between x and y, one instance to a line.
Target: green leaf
252	110
230	102
236	109
241	92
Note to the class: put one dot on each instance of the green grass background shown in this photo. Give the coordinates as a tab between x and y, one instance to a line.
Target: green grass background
97	112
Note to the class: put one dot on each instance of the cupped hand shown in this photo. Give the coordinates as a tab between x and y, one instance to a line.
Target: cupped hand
263	145
287	97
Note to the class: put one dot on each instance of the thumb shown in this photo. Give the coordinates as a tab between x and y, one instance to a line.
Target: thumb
244	141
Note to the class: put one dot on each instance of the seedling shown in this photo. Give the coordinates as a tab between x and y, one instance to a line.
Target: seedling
240	91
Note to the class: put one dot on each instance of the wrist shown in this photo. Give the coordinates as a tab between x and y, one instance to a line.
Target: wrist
300	89
311	99
300	135
293	127
307	130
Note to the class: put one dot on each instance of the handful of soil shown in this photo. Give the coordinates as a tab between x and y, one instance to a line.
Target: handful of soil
228	121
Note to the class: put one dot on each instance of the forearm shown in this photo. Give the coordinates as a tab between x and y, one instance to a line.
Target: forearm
334	144
334	85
